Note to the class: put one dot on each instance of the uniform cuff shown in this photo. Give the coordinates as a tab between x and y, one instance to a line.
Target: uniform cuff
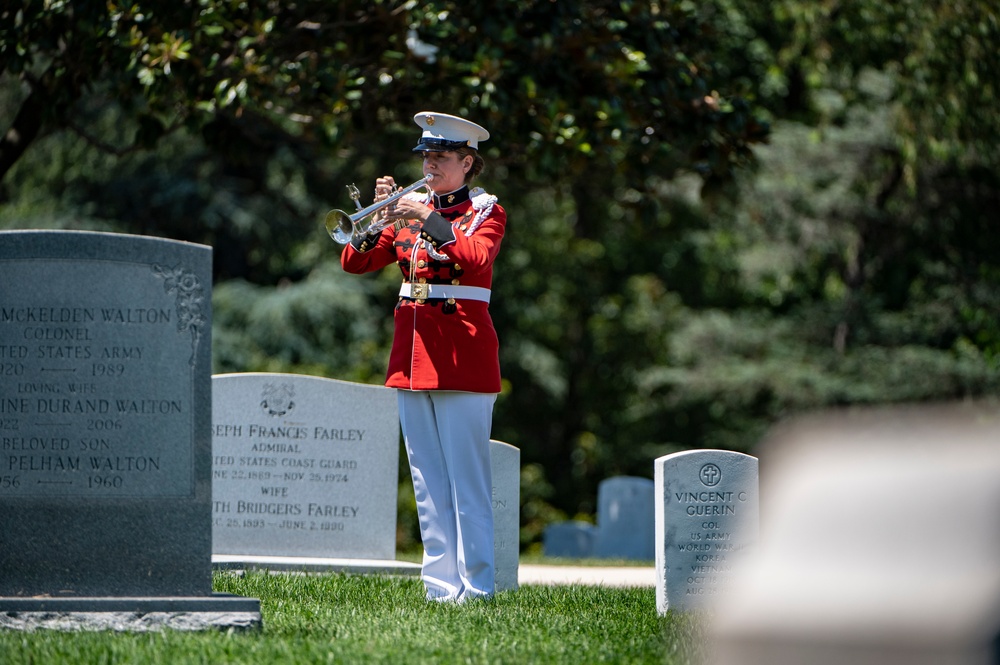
365	242
437	230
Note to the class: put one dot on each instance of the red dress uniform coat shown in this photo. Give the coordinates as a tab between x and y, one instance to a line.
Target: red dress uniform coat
441	344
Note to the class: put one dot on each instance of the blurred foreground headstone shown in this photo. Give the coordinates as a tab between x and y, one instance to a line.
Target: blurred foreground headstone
880	543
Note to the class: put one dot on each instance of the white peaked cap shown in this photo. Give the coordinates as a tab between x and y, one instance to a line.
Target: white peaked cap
447	132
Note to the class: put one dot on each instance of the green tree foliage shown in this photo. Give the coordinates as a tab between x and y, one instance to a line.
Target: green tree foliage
863	258
843	298
940	54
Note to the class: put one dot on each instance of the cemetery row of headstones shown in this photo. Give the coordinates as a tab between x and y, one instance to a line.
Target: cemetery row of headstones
695	520
108	508
105	340
117	484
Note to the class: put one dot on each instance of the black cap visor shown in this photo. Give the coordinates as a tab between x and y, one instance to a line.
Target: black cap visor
439	145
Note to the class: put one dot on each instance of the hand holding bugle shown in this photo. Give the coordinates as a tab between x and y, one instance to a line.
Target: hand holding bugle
344	227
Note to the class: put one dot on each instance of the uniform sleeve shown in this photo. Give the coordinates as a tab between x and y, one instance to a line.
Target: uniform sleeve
369	253
475	252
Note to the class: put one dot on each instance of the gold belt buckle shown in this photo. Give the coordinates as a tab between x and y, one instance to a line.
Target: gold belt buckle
419	291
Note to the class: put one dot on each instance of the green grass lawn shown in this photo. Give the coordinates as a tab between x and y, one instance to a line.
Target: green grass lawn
375	619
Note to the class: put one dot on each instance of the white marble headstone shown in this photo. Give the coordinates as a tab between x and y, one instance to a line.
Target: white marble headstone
304	466
706	519
505	465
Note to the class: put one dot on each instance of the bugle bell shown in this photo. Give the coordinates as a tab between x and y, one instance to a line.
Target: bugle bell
344	227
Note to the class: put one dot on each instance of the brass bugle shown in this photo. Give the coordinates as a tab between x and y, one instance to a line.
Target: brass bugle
344	227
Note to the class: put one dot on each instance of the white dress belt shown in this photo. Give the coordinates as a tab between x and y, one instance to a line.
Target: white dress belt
422	291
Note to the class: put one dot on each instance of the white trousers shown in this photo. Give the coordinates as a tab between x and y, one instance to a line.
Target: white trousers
447	438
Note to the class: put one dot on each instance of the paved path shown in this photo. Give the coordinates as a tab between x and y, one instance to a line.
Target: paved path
527	573
591	575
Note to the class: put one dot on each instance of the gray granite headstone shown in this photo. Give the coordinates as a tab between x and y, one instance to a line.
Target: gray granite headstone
880	542
505	464
573	539
706	520
304	466
105	420
625	526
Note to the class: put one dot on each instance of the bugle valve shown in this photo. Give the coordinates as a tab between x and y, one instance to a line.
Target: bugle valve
343	227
